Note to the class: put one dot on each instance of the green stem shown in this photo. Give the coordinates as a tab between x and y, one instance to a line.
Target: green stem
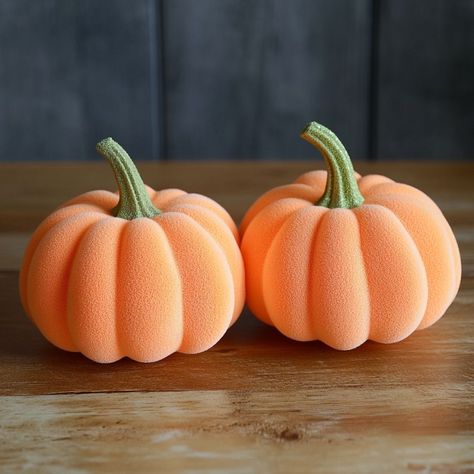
134	200
341	185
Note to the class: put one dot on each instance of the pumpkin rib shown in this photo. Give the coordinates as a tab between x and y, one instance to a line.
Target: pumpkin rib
53	219
456	258
341	282
284	275
276	213
455	262
178	270
149	313
49	295
207	203
102	199
223	236
116	318
91	311
26	263
311	279
162	197
287	191
315	178
94	293
388	246
85	207
439	268
44	228
68	281
368	292
412	192
451	238
284	221
369	182
208	299
396	190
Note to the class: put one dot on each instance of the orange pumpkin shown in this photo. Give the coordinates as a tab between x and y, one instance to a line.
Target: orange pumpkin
141	273
343	258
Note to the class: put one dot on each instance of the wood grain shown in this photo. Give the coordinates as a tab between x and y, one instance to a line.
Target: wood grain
343	430
30	191
257	401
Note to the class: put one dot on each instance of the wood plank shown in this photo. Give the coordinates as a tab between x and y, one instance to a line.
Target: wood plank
426	72
242	76
30	191
72	73
340	429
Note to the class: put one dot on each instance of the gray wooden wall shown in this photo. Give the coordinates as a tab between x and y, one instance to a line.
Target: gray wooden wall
191	79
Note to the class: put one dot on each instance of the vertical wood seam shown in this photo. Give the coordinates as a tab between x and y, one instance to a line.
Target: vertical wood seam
163	90
157	80
255	143
153	81
373	83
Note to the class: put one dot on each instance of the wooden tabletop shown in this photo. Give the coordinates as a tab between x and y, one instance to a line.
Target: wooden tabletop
256	402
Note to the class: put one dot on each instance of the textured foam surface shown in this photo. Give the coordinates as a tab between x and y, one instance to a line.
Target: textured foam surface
143	288
379	271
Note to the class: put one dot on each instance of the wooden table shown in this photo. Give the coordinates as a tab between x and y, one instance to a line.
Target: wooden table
256	402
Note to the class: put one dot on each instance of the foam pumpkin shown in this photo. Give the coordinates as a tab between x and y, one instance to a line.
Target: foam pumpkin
141	273
342	258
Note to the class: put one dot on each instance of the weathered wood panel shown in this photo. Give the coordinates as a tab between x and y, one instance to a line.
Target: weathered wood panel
242	78
235	78
426	77
72	72
315	66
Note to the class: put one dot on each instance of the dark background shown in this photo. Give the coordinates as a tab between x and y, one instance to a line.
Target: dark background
236	79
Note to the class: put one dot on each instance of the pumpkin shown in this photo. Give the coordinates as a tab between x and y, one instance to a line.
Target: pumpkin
342	258
141	273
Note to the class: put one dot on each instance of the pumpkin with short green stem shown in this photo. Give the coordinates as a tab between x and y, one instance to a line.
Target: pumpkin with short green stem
141	273
342	258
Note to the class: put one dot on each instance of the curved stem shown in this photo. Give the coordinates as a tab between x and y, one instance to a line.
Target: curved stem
134	200
341	185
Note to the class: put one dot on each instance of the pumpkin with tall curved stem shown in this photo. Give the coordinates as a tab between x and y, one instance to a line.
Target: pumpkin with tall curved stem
141	273
342	258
